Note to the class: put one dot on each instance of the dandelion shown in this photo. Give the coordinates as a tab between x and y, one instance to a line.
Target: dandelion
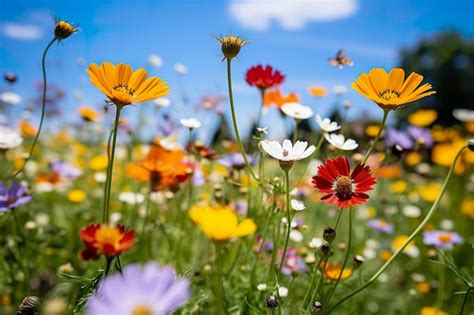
342	187
391	90
340	142
220	223
327	125
105	239
442	239
231	45
144	290
64	29
123	86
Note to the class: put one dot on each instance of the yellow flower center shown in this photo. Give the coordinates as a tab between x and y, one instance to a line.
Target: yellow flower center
445	238
108	235
142	310
389	94
343	187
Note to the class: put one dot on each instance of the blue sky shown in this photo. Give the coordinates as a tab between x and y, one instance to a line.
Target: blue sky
297	40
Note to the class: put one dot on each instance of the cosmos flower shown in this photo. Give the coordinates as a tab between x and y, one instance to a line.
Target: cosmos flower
263	77
9	139
275	97
220	223
442	239
340	142
287	151
144	290
105	239
327	125
391	90
381	226
297	111
332	272
65	170
191	123
13	196
123	86
342	187
88	113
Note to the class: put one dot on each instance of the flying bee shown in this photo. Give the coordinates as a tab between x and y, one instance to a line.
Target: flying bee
340	60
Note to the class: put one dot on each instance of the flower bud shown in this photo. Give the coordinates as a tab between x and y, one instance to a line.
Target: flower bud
231	46
272	302
357	261
29	306
325	249
64	29
329	234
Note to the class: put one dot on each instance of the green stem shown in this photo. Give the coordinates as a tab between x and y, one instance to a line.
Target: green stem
288	216
349	243
442	277
220	295
110	166
262	95
295	132
408	241
379	133
325	262
311	283
43	108
234	120
464	300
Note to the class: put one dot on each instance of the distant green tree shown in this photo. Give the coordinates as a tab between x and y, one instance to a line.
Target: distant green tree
446	60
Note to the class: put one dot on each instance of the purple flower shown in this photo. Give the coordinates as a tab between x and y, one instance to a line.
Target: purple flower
381	226
13	196
139	290
442	239
65	169
234	161
394	137
420	135
293	263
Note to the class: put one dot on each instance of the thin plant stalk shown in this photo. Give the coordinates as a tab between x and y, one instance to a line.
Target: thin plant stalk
379	133
288	216
419	228
464	300
234	120
43	108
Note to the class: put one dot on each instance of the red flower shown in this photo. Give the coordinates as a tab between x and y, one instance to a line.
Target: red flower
340	186
105	239
263	78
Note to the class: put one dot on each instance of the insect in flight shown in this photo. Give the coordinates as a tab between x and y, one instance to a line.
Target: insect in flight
341	60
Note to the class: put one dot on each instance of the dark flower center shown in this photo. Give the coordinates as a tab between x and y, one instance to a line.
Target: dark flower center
124	89
343	187
388	94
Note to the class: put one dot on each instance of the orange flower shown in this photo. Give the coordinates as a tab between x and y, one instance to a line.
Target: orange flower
162	168
391	90
105	239
123	86
332	272
88	113
27	129
274	97
317	91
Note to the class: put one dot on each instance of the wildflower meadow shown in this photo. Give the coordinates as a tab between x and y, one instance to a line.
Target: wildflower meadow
154	201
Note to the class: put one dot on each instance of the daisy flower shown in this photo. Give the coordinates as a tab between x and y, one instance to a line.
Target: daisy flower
287	152
442	239
340	142
9	139
191	123
297	111
340	186
327	125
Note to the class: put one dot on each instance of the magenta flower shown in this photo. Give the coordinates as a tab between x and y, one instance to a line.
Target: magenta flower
13	196
442	239
139	290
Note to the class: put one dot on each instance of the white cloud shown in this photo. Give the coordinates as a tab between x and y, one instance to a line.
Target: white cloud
21	31
289	14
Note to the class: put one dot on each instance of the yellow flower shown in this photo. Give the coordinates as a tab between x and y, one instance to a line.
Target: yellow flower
423	117
27	129
372	130
398	242
332	272
317	91
391	90
432	311
398	187
231	45
444	153
99	163
64	29
429	192
123	86
413	158
88	113
76	195
219	223
467	208
423	287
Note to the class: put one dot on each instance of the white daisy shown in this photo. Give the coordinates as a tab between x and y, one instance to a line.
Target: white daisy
327	125
191	123
282	291
9	138
297	110
316	242
131	198
162	102
287	151
340	142
10	98
297	205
